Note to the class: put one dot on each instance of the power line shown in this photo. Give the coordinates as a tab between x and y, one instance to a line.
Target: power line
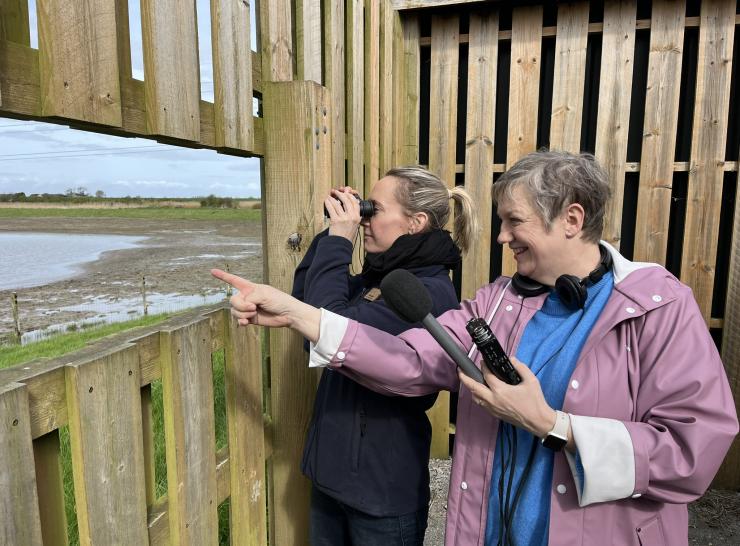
79	150
120	152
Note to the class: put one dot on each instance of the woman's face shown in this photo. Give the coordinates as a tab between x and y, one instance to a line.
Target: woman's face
539	253
390	220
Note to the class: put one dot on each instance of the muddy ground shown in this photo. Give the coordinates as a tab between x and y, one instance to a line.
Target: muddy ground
176	256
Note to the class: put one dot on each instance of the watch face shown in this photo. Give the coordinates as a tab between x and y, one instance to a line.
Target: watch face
553	442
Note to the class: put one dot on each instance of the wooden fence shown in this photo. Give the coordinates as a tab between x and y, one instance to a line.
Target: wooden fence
349	88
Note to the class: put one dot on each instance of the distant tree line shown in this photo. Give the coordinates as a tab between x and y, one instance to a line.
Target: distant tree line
81	195
213	202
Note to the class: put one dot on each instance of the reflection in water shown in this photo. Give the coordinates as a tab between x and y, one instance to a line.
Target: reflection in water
106	310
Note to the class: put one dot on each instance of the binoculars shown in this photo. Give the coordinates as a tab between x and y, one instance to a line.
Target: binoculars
367	209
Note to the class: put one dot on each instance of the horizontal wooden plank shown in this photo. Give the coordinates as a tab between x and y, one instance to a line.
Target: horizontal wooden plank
418	4
593	28
19	79
630	167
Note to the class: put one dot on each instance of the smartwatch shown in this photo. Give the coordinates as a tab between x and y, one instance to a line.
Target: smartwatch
558	436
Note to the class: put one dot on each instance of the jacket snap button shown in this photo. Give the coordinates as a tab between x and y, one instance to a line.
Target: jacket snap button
637	495
341	355
561	489
509	307
574	384
657	298
630	310
464	485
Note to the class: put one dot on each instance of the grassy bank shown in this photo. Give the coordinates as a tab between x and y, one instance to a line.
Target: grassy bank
66	343
147	213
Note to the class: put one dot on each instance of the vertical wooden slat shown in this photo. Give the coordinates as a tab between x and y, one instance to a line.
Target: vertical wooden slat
708	142
479	129
19	79
407	116
276	42
385	153
442	135
334	79
297	158
355	85
372	93
171	68
78	60
659	133
526	48
14	22
443	96
248	505
107	452
47	461
728	476
19	508
187	386
232	74
570	73
308	40
612	123
147	427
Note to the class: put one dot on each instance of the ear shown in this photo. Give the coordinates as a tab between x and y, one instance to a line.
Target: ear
573	218
418	222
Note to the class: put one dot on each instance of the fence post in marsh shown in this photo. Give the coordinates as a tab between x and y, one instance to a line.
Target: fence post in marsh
228	286
16	320
143	295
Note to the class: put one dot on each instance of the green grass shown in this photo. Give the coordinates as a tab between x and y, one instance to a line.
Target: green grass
154	213
65	343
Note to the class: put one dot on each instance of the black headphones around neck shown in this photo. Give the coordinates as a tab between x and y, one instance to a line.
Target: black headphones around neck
571	290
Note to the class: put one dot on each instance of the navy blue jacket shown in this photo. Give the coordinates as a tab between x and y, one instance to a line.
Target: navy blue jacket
367	450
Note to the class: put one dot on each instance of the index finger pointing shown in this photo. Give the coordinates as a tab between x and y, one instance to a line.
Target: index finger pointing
237	282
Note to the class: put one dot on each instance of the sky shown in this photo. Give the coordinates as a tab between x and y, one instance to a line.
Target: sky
49	158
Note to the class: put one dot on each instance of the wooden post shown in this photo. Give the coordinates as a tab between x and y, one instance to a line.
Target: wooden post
297	177
16	320
143	295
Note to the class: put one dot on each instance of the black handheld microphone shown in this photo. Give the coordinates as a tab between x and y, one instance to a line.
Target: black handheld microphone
408	298
493	354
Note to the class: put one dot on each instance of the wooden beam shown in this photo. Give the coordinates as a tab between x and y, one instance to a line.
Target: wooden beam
708	143
612	121
569	76
526	47
19	506
418	4
171	68
78	61
659	133
372	94
308	40
334	79
187	385
106	438
355	86
481	112
297	158
276	42
14	25
232	74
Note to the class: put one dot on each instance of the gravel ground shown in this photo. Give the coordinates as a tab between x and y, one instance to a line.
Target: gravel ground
714	519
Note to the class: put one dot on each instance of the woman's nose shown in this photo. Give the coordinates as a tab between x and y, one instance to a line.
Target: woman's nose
504	236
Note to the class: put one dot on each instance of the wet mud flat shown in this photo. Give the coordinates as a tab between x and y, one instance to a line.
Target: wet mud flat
175	258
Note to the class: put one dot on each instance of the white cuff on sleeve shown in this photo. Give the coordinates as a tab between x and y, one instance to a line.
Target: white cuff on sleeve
608	459
331	333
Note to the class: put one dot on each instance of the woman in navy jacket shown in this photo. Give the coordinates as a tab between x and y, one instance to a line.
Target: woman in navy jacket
367	454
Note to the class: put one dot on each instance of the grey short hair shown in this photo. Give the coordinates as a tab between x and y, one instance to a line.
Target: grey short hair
553	180
420	190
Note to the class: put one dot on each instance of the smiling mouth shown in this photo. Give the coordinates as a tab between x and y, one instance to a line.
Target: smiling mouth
518	251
